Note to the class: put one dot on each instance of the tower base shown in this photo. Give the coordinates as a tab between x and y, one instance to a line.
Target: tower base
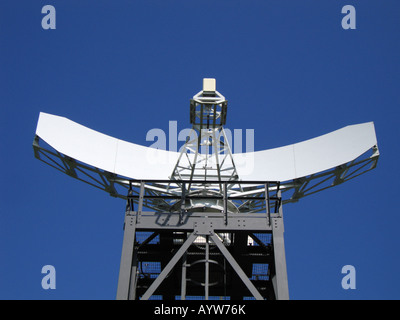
203	255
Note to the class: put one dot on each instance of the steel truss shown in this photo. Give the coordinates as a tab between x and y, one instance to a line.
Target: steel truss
117	186
206	253
206	155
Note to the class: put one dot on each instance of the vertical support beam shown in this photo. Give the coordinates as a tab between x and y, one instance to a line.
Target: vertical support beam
183	203
279	195
225	200
183	279
236	267
216	146
169	267
140	204
279	280
207	267
125	270
267	202
134	276
129	202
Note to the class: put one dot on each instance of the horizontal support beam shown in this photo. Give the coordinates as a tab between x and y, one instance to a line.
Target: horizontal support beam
202	222
217	197
203	181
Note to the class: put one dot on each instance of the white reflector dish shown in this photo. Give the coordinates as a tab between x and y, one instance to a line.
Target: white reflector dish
104	152
139	162
308	157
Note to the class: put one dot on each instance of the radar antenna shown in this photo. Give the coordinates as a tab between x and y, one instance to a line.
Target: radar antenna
216	228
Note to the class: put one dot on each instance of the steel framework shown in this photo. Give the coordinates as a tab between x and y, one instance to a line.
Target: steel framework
118	186
209	233
210	222
200	253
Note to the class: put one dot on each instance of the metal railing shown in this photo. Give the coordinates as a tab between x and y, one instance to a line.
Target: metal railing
223	191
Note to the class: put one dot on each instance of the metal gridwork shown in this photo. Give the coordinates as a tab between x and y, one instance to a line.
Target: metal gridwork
179	255
118	186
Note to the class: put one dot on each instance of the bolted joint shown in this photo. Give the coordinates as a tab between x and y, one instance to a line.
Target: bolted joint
203	227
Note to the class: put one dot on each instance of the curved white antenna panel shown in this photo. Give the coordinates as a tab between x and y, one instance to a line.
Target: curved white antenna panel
139	162
104	152
308	157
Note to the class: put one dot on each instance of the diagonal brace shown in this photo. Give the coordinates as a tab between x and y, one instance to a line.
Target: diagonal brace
242	275
169	266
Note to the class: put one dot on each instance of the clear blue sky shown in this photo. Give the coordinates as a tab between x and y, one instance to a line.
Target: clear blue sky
288	70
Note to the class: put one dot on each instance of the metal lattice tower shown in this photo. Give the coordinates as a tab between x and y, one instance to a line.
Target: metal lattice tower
209	243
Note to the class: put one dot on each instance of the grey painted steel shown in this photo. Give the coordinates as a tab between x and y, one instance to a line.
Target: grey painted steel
169	266
207	269
235	222
183	278
125	271
236	267
205	226
140	205
134	277
280	280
